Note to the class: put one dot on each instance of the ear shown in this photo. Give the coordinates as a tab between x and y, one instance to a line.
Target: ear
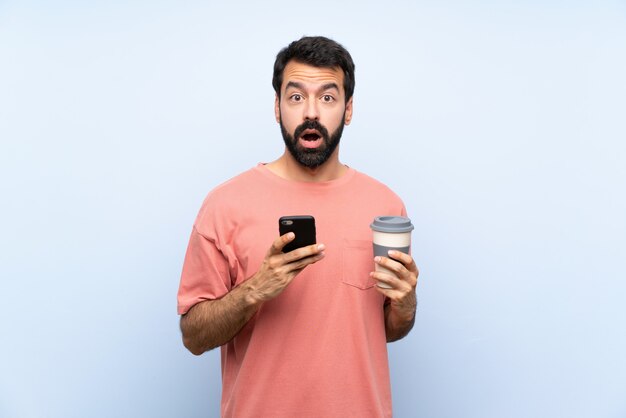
348	116
277	109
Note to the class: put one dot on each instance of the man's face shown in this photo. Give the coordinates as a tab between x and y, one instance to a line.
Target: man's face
312	111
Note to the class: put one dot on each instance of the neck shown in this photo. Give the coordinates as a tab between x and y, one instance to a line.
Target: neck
288	168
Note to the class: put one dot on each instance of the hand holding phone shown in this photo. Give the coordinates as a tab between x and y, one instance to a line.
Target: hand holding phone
303	226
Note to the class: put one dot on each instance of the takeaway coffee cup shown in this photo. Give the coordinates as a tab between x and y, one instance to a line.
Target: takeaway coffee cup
390	233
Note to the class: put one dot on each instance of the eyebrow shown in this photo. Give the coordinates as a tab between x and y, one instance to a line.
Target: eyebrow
300	86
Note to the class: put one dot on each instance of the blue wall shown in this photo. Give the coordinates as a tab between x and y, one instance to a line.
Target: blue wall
500	123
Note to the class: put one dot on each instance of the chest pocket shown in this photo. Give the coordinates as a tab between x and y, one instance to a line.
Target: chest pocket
357	259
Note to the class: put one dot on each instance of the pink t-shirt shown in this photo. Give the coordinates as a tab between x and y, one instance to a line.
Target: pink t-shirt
319	348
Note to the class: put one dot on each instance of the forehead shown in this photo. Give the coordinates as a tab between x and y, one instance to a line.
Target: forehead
308	74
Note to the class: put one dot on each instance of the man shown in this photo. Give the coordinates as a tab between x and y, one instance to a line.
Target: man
302	333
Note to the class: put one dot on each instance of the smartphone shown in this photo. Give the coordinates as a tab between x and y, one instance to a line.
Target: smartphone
304	228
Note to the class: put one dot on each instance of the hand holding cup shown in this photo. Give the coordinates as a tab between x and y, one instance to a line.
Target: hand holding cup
390	233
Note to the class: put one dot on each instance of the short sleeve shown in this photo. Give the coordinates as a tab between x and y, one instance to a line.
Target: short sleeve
205	274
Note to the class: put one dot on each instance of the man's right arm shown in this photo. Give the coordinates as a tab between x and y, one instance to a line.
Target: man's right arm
213	323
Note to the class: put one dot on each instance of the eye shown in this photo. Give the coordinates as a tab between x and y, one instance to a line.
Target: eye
327	98
296	97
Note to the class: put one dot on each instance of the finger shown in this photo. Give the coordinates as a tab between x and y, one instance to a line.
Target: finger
391	294
405	259
390	280
393	266
280	242
303	252
397	268
299	265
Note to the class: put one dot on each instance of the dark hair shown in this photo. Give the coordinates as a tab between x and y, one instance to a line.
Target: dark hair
317	51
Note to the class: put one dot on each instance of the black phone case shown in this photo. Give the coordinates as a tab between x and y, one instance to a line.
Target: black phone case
304	228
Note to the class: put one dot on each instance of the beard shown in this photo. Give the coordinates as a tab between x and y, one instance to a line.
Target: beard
312	157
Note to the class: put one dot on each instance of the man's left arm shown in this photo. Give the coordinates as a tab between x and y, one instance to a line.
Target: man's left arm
401	301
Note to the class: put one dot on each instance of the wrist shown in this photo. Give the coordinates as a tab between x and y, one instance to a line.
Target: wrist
251	296
403	313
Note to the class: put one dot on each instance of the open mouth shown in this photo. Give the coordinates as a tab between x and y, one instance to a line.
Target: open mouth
310	135
311	139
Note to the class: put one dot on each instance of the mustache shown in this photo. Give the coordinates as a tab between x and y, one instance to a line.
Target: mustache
311	124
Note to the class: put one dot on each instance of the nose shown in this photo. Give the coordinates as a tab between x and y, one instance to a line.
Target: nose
311	111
